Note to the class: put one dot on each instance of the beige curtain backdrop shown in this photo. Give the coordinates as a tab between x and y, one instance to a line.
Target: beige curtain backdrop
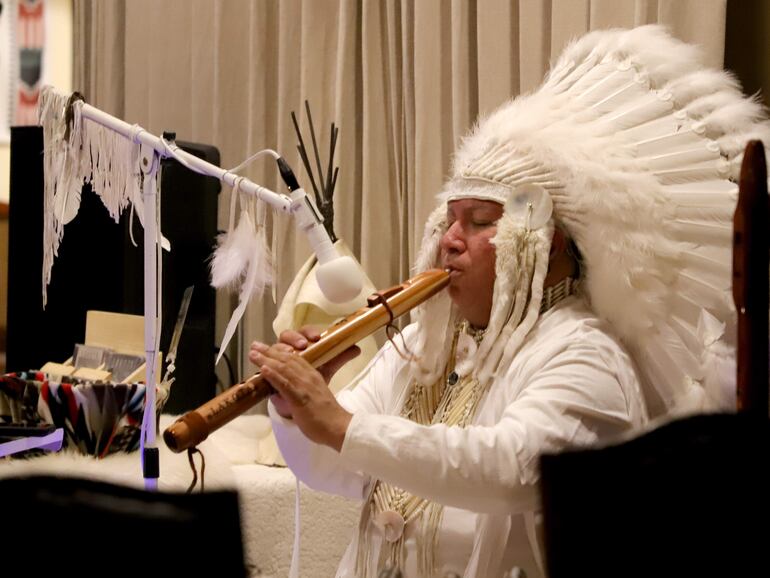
403	80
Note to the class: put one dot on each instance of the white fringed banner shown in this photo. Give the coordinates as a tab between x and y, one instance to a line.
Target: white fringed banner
78	151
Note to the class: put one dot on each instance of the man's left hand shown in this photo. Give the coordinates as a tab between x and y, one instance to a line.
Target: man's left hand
312	405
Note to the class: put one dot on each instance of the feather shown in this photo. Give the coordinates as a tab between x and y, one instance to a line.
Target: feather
734	143
676	390
673	141
669	160
573	75
719	363
654	128
647	108
704	294
684	309
702	172
557	75
699	83
233	253
727	115
704	193
718	214
66	203
714	271
258	275
602	81
247	289
687	333
676	352
625	93
701	232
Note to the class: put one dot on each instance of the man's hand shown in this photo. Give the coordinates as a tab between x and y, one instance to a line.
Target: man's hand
302	392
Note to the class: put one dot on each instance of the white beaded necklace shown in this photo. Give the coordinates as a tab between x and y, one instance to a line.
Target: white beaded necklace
451	401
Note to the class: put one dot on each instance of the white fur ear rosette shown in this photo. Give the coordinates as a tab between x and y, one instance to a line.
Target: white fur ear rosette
530	205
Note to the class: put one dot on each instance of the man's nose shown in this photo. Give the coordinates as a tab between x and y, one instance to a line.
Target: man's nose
453	240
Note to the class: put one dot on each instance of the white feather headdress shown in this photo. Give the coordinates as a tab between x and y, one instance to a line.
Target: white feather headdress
639	147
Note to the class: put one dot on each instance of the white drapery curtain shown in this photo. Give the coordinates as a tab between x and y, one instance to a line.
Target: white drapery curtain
403	80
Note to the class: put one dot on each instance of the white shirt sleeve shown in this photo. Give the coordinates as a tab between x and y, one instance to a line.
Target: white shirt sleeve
574	398
320	467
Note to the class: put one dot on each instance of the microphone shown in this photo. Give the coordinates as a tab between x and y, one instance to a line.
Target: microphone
339	277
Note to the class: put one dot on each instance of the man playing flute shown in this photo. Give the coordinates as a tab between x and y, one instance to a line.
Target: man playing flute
586	228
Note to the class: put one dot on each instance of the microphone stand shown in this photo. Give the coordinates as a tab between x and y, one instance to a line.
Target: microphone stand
152	150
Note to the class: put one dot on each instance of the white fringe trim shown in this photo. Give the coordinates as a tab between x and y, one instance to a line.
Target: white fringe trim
93	154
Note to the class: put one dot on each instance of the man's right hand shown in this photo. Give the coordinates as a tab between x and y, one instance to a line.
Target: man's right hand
291	340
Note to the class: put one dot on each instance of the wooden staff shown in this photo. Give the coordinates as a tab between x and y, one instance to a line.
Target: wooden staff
383	307
750	281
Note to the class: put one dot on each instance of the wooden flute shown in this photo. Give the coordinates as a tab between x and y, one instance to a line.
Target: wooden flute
382	308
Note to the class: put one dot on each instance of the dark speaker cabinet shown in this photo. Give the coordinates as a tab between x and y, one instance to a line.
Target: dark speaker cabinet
99	268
